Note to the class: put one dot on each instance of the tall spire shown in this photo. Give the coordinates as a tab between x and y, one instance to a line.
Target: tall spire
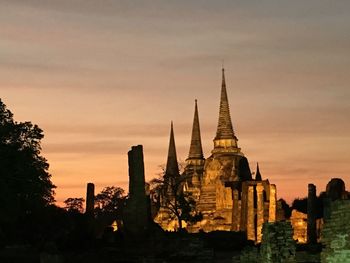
172	167
257	175
196	151
225	140
224	130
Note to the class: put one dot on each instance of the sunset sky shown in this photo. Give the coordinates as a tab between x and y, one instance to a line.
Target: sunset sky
101	76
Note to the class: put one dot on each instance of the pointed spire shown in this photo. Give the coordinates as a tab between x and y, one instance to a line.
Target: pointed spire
223	83
225	140
257	175
224	130
196	151
172	167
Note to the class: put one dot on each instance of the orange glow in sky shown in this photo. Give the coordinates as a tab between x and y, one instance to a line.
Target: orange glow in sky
101	78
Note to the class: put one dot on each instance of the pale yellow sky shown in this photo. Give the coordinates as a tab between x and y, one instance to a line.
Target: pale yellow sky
101	76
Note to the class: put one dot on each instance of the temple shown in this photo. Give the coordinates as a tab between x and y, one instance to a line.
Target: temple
222	185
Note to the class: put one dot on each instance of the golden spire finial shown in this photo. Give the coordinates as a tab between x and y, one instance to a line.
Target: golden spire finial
224	130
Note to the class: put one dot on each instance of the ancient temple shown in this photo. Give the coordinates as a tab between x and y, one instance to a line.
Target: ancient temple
164	217
222	185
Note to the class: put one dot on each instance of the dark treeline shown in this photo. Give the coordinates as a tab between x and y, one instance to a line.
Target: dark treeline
28	214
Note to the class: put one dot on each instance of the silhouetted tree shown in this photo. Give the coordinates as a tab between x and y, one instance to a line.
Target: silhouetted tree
74	204
300	204
286	208
25	184
110	200
168	193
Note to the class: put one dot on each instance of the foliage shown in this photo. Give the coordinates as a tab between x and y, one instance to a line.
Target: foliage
167	192
286	208
110	201
300	204
74	204
25	184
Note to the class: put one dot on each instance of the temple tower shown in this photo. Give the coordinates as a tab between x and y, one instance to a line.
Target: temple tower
172	167
225	140
195	161
164	217
226	166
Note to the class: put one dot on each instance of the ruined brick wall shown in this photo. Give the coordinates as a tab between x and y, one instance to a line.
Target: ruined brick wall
299	224
277	243
336	233
249	255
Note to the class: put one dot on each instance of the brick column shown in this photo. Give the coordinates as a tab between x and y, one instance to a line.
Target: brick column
235	211
272	205
251	214
260	211
244	204
90	199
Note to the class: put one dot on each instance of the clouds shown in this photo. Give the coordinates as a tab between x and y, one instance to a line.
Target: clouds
100	76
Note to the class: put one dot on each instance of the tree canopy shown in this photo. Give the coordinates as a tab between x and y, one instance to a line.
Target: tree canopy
74	204
25	183
110	200
167	192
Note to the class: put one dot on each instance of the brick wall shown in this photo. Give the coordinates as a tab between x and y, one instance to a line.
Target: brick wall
336	233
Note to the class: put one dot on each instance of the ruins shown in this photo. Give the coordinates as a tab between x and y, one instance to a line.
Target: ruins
222	185
299	223
90	199
335	233
136	213
307	227
311	215
277	244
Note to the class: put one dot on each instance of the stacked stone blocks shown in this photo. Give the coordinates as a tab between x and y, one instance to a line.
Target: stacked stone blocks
336	234
277	243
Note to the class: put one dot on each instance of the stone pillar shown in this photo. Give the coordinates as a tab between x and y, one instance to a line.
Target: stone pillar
244	205
311	215
136	212
260	211
250	214
235	211
272	205
90	199
136	172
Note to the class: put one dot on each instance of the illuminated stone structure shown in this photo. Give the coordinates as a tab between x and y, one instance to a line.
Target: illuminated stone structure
307	227
195	162
225	192
164	217
299	224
